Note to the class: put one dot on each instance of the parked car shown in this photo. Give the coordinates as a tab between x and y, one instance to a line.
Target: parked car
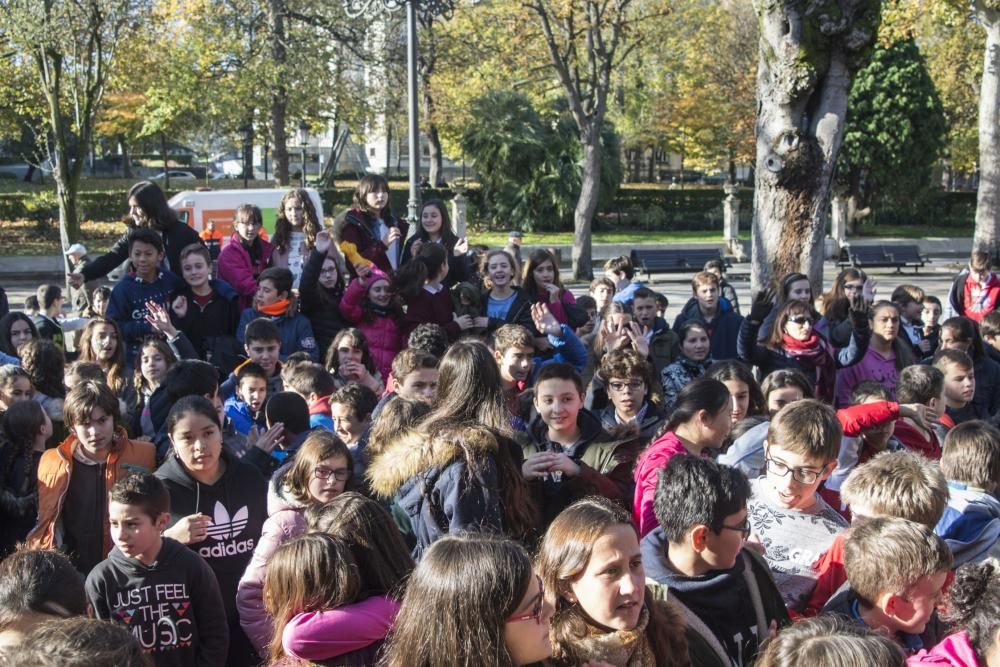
175	175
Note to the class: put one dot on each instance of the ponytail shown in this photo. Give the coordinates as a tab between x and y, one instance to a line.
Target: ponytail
700	394
412	276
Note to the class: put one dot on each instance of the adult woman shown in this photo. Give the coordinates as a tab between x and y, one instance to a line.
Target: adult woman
435	227
693	359
591	567
887	354
456	471
792	287
473	599
15	328
295	228
147	208
700	422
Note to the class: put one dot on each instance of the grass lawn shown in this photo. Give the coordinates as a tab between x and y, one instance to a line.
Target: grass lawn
625	236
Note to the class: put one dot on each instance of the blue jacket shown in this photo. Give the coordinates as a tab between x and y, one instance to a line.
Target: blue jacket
568	348
723	331
240	416
127	306
296	332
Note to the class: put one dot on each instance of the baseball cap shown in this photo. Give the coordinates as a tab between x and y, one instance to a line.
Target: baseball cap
76	249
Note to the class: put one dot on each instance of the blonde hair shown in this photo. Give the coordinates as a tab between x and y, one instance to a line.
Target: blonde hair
972	454
904	485
831	641
883	555
809	428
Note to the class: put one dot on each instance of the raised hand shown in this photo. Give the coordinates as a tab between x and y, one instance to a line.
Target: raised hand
868	290
159	319
545	321
763	303
323	241
461	247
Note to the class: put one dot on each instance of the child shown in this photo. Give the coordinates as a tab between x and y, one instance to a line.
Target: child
693	359
321	289
792	523
662	303
924	385
959	388
149	582
245	257
909	300
890	594
514	351
15	386
26	427
262	343
503	302
435	227
315	384
44	362
990	330
976	291
130	299
899	484
727	291
619	270
73	477
99	302
37	586
349	360
931	317
15	328
961	333
370	236
370	305
888	352
635	402
602	289
50	303
351	409
295	228
570	455
155	359
101	343
748	401
421	283
830	641
245	410
219	505
663	341
971	464
540	282
414	377
274	289
696	556
207	310
721	321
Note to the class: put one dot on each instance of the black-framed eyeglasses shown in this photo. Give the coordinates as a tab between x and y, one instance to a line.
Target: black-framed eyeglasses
801	319
536	608
631	385
340	474
744	528
800	475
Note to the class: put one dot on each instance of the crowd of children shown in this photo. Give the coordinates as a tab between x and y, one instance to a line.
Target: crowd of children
351	445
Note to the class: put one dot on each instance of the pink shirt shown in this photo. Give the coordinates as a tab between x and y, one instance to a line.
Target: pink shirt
647	470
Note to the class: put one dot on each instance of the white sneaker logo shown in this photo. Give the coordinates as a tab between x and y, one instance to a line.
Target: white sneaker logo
225	528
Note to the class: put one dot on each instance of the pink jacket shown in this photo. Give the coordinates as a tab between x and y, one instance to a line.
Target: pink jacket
647	470
322	635
953	651
385	338
237	269
556	307
286	520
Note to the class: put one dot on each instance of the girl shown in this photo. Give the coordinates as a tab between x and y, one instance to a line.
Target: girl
26	427
15	328
794	343
699	424
44	363
591	569
319	473
313	576
887	354
370	236
350	360
370	305
783	387
320	291
295	228
456	469
15	386
832	641
217	505
693	358
398	415
155	359
473	599
747	399
246	255
435	227
541	282
835	305
792	287
422	287
961	333
502	302
101	343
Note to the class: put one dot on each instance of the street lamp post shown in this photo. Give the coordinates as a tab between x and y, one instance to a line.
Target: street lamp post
247	133
303	143
429	9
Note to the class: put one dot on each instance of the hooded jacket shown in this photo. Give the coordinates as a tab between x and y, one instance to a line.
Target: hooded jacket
518	313
433	483
236	504
723	331
285	520
236	267
172	607
324	316
728	612
383	332
970	524
296	332
954	651
845	603
212	327
176	237
127	306
353	631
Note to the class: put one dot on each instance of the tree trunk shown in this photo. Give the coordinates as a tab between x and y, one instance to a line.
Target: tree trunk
30	174
987	236
436	177
807	60
276	10
586	205
166	162
126	159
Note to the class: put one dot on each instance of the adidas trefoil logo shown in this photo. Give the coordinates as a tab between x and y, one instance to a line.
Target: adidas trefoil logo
225	528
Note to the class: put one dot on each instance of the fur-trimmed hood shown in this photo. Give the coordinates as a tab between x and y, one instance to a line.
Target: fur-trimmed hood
414	452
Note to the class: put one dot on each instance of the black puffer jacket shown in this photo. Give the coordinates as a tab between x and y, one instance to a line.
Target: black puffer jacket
323	314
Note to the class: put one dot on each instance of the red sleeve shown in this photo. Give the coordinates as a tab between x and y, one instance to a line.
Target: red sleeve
831	576
857	418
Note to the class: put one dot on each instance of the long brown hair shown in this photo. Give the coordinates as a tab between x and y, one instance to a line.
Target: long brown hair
455	609
311	225
535	259
837	292
313	572
138	379
115	371
318	446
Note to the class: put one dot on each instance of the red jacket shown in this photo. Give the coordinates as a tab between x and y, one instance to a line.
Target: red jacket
383	333
831	575
914	440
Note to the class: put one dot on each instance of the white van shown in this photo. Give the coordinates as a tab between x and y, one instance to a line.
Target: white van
197	207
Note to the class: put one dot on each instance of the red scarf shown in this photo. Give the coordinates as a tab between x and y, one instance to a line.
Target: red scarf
814	353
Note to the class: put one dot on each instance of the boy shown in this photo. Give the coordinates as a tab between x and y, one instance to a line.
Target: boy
976	291
315	384
902	484
931	317
619	270
74	478
415	375
245	410
262	343
971	464
959	388
149	284
188	377
602	289
351	409
890	593
628	377
287	419
728	292
924	385
698	560
789	519
274	287
910	301
569	454
514	350
50	302
207	310
163	592
706	306
663	341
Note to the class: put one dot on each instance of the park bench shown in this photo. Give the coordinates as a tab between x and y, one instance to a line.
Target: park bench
676	260
890	256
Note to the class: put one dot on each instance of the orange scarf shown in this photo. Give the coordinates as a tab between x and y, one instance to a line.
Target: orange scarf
276	308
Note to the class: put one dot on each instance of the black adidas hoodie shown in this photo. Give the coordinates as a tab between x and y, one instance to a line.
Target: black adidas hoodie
237	506
173	607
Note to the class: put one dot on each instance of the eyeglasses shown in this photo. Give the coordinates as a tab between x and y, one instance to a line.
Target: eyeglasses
340	474
743	528
852	287
536	608
632	385
801	475
331	272
801	319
